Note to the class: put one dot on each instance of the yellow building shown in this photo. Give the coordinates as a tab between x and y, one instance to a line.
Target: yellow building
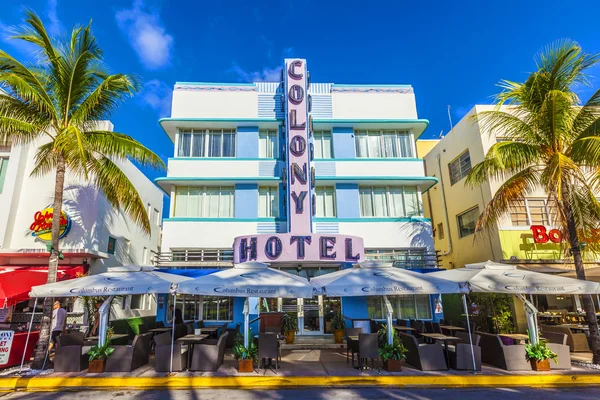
454	209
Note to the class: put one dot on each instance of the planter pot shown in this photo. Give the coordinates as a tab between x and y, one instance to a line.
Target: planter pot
393	365
245	366
338	336
96	366
290	336
540	365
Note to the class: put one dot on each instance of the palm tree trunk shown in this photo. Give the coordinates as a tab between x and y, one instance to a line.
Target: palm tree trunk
44	340
588	303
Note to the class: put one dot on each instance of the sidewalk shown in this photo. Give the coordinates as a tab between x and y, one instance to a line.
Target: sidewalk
302	368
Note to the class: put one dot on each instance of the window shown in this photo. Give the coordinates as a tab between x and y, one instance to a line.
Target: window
112	243
145	256
389	201
460	167
268	205
127	246
405	306
157	216
136	302
528	212
440	231
206	143
3	168
325	201
217	308
267	144
383	143
204	202
467	222
322	143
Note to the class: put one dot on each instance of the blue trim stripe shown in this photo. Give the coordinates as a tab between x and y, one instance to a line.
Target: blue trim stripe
365	85
316	219
232	179
370	121
214	84
238	120
390	159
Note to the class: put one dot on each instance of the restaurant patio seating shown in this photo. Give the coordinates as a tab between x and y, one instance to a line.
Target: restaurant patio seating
495	352
426	357
189	326
142	328
436	327
577	342
162	353
401	322
460	353
368	349
557	342
180	331
233	333
71	355
375	326
365	324
268	348
200	324
352	345
428	327
209	357
129	357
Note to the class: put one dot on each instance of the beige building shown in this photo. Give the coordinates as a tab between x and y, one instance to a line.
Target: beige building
454	209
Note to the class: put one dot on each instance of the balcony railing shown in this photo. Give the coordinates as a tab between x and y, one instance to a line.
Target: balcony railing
186	258
194	258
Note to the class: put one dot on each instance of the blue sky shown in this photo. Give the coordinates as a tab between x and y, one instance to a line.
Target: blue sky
453	53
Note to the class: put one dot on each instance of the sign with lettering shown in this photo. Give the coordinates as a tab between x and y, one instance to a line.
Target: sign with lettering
297	139
294	247
542	235
6	339
41	227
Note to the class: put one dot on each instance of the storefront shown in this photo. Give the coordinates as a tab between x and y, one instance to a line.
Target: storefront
308	177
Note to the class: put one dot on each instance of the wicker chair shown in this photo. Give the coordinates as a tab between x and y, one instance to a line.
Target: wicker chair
70	355
209	357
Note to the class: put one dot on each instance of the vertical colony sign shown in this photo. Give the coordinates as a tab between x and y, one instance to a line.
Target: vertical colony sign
299	244
297	135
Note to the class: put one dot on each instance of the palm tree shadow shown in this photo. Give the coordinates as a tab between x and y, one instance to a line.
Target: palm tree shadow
419	231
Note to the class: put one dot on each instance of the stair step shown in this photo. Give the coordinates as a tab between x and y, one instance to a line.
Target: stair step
312	346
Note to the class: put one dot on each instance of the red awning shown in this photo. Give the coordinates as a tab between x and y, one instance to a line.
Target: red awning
16	281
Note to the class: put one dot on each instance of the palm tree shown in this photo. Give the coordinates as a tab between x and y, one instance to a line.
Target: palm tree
58	102
552	142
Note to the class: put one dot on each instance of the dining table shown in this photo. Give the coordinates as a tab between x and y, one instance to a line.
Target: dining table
452	328
160	330
517	337
191	340
404	329
116	337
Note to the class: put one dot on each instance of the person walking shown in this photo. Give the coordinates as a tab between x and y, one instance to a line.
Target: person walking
59	322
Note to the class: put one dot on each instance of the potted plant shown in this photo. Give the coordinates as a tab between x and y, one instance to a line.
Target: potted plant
98	354
337	326
539	356
289	322
393	354
245	356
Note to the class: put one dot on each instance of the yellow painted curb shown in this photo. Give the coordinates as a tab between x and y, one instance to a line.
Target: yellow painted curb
275	382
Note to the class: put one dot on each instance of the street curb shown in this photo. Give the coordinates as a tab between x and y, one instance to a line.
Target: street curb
276	382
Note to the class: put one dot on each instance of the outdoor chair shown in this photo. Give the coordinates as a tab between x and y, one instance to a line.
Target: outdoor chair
576	341
375	326
557	342
460	354
180	331
368	349
130	357
365	324
71	355
352	345
419	326
209	357
162	354
268	348
142	328
496	353
189	328
428	327
426	357
233	333
160	324
436	327
200	324
401	322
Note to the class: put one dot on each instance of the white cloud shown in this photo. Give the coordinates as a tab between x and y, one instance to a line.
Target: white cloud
147	35
266	75
158	96
55	27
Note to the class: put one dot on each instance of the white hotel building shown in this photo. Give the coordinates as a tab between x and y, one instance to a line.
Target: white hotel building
229	177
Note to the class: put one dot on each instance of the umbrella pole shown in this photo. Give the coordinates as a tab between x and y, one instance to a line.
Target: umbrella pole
173	331
390	313
531	313
103	326
28	333
246	322
464	296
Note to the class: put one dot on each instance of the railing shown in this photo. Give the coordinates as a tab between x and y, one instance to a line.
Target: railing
409	259
194	257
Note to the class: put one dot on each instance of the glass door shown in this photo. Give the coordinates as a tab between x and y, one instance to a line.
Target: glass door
311	320
331	306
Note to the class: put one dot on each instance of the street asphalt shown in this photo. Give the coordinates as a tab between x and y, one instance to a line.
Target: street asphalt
321	394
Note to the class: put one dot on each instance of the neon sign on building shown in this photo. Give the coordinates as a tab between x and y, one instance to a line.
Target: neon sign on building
299	243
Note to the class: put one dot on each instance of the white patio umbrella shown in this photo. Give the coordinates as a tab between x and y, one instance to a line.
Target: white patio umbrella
492	277
379	278
251	279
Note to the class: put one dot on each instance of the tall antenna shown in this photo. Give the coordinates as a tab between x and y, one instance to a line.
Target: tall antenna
441	134
450	118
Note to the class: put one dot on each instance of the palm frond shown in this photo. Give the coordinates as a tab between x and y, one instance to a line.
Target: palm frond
120	146
44	160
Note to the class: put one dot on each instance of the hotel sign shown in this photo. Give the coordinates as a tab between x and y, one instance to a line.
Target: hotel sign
300	243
